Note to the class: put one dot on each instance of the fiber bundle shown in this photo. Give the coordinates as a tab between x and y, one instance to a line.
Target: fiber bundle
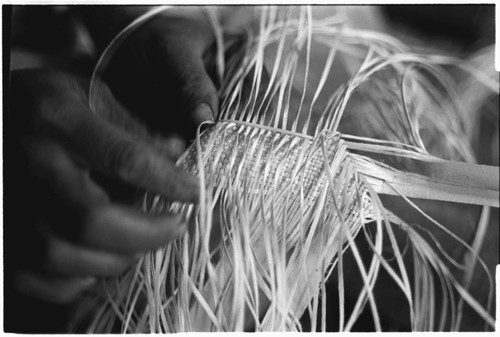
317	120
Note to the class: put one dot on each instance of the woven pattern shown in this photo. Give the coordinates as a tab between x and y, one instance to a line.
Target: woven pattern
279	207
288	170
285	192
265	161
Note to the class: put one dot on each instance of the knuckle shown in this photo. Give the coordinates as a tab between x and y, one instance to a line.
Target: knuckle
199	89
59	113
126	160
49	111
79	86
195	82
103	99
92	196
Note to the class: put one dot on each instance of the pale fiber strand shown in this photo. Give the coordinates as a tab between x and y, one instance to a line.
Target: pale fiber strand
270	256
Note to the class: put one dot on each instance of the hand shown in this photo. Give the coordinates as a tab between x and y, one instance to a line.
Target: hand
71	227
159	73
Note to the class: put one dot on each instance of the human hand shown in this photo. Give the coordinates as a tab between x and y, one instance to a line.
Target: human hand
74	228
160	73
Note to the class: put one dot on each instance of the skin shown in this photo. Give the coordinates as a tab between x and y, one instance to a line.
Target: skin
72	160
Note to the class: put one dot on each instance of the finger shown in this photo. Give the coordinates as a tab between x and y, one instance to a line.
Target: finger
140	164
65	258
110	149
104	226
124	230
198	91
53	289
184	64
52	163
104	104
173	146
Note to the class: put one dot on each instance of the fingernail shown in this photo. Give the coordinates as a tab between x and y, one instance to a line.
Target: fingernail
202	114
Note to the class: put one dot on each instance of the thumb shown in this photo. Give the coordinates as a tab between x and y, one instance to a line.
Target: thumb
197	90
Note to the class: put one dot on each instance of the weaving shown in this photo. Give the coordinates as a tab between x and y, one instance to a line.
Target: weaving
291	173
